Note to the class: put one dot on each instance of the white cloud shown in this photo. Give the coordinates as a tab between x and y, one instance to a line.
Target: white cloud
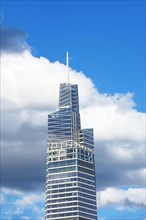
30	85
123	199
9	191
30	82
30	89
28	200
126	151
19	203
137	174
110	123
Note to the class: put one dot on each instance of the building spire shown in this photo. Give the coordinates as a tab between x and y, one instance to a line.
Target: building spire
67	65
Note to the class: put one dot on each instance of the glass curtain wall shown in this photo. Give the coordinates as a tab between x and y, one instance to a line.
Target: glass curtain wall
70	169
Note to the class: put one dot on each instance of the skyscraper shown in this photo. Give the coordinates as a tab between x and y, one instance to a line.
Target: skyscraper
70	169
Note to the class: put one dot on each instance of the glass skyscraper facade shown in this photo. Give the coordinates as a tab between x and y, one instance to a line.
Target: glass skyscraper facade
70	168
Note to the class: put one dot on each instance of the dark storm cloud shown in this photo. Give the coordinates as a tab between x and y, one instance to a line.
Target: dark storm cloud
24	162
23	165
23	158
112	171
13	40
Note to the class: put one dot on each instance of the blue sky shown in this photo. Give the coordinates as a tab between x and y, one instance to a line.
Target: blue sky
106	41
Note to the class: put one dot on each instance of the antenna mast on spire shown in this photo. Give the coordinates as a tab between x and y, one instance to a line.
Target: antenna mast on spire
67	65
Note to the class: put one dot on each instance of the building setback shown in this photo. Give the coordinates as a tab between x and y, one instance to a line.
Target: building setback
70	168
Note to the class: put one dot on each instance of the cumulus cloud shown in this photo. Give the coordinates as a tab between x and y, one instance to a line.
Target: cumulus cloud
114	119
27	200
33	86
28	83
123	199
21	204
30	88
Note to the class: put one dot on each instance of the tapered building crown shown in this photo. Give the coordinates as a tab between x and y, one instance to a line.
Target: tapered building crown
68	97
70	168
